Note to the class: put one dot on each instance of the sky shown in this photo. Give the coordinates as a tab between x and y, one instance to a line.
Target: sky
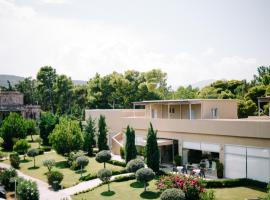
191	40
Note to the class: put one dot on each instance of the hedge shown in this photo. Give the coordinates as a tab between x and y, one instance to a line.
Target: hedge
94	176
117	163
222	183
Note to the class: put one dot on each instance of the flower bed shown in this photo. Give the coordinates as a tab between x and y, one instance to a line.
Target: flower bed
190	185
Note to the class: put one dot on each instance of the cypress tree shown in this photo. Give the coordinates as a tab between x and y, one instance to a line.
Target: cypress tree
102	134
152	151
89	136
130	148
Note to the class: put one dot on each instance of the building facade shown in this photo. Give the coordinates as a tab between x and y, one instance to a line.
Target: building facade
11	101
197	129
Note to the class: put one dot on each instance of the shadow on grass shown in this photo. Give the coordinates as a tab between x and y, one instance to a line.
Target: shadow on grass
137	184
32	168
61	164
108	193
150	195
25	161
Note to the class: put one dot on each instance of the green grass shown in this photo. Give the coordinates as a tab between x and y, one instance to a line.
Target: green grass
132	190
70	177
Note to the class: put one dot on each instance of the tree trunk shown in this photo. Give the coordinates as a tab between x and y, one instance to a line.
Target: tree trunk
109	187
81	170
145	186
104	165
34	162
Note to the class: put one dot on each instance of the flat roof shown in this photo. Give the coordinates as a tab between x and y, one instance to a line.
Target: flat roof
179	101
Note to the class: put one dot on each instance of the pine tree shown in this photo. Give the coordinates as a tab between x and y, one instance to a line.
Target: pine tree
152	151
102	134
89	136
130	148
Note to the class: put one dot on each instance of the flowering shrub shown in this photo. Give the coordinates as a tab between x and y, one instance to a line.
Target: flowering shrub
190	185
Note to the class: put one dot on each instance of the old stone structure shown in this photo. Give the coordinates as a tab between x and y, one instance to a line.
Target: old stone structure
11	101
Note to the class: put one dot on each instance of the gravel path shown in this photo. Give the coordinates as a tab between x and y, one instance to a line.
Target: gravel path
46	193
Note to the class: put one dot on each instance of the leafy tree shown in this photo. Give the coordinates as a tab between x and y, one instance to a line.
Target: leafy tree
46	79
30	128
152	151
246	108
54	179
103	157
105	175
28	87
82	162
6	177
208	92
134	165
66	136
263	75
14	159
21	147
27	190
89	136
63	94
33	153
49	163
102	134
47	123
255	92
130	148
12	129
186	92
145	175
79	101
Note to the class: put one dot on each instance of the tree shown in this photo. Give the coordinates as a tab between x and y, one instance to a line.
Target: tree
82	162
263	75
21	147
134	165
66	136
30	128
6	177
63	94
29	90
246	108
173	194
103	157
14	159
49	163
27	190
54	179
46	79
152	151
33	153
12	129
130	148
145	175
102	134
47	123
105	176
186	92
89	136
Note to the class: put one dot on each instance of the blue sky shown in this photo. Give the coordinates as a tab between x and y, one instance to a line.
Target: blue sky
190	40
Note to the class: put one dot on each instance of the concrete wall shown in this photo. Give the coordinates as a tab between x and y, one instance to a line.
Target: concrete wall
11	99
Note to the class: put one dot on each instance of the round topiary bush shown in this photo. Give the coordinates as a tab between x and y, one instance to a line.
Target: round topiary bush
27	189
173	194
33	153
145	175
105	175
54	179
103	156
82	162
134	165
49	163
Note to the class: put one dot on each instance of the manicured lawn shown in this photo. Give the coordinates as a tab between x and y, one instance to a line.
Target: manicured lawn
130	190
238	193
70	177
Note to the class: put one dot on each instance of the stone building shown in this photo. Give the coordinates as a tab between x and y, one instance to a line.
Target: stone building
11	101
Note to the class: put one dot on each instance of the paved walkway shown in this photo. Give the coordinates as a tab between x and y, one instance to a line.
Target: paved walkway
46	193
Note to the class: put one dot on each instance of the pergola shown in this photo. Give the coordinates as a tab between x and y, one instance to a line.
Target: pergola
263	100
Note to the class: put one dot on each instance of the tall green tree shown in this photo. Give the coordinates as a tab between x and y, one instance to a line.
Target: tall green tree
28	87
263	76
89	136
186	92
102	134
130	148
13	128
30	128
47	123
46	78
66	136
152	151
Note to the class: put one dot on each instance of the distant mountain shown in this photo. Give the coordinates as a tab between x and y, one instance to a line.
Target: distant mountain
203	83
4	78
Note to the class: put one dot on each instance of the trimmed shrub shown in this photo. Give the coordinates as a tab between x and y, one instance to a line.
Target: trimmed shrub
173	194
82	162
27	190
46	148
6	178
72	159
124	178
105	176
49	163
14	159
177	160
33	153
117	163
122	152
93	176
208	195
54	179
103	157
145	175
135	165
21	147
220	170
